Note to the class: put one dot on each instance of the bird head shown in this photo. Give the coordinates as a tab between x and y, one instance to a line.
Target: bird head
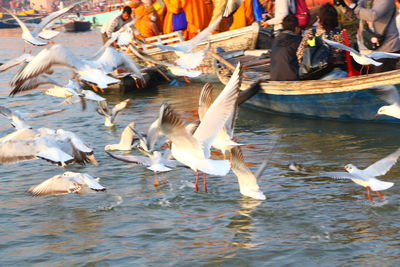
350	168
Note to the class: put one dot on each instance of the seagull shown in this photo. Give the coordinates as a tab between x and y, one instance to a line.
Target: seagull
60	55
223	141
112	59
125	142
363	59
193	150
40	30
56	146
176	70
18	119
247	180
110	115
68	182
146	144
187	58
390	94
155	161
298	168
367	176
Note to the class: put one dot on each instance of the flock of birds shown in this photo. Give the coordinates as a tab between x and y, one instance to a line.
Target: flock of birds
187	145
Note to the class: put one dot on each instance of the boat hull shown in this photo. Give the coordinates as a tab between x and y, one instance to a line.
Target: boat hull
347	106
77	26
98	18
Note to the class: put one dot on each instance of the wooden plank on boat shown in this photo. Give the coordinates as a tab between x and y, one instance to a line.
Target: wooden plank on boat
324	86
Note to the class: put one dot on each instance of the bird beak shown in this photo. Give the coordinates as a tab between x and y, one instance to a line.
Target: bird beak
343	169
376	115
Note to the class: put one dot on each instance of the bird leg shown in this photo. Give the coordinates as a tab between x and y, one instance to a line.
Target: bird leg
164	178
368	69
205	181
369	193
362	67
379	194
196	183
223	153
187	80
156	182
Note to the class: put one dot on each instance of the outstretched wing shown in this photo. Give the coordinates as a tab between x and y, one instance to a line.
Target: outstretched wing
340	175
131	159
388	93
382	166
380	55
340	46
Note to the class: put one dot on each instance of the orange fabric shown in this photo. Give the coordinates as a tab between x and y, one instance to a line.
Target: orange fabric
145	26
173	7
243	16
198	15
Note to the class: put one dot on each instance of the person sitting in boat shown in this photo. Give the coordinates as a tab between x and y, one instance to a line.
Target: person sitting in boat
284	66
115	23
327	27
377	18
147	18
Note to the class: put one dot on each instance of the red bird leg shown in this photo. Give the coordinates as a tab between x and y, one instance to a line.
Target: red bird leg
379	194
205	181
196	183
367	69
362	66
369	193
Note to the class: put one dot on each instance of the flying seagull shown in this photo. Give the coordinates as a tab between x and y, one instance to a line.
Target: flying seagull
367	176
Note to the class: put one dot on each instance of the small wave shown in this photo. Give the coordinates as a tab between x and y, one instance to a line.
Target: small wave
118	200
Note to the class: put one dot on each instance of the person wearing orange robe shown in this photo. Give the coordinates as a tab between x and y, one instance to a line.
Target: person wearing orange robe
198	15
173	7
243	16
146	16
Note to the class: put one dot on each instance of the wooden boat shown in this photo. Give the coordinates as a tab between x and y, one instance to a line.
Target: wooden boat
8	22
349	98
250	37
77	26
96	18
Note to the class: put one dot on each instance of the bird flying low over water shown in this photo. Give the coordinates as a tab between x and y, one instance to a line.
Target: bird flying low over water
247	180
58	55
41	30
367	176
56	146
68	182
111	115
193	150
390	94
363	59
126	139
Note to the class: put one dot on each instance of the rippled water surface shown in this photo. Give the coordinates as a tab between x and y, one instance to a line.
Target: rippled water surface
307	220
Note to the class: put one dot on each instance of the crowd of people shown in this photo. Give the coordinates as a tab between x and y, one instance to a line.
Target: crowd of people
295	32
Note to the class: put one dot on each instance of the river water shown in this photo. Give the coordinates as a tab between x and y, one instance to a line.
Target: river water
306	220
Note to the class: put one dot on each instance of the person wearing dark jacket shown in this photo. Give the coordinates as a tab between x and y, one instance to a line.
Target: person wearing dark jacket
284	65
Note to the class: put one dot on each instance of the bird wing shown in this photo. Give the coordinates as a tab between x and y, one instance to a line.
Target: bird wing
129	64
15	62
248	93
172	126
152	134
200	37
53	16
6	112
20	22
119	107
103	109
58	184
219	111
42	62
382	166
131	159
231	7
341	175
39	114
205	100
48	34
246	179
388	93
91	182
341	46
142	140
380	55
34	83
